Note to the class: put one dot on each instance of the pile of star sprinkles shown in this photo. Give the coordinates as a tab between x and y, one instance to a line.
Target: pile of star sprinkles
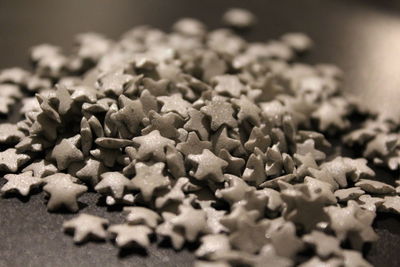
203	138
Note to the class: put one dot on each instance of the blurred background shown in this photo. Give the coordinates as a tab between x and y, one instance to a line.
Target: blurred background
362	37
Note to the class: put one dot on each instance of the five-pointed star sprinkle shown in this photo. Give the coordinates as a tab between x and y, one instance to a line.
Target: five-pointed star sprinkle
209	166
86	226
193	221
220	112
228	85
130	235
249	236
21	183
197	122
114	184
152	145
149	178
235	164
131	114
114	83
65	152
221	140
166	124
166	229
41	168
193	145
234	191
174	103
249	111
10	160
174	195
63	193
141	215
91	171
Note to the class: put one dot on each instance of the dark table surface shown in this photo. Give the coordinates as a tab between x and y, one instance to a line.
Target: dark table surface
362	37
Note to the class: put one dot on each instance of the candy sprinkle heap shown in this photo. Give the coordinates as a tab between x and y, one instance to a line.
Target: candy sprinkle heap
202	138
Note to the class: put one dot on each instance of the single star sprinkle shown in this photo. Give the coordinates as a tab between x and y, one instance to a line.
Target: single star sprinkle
22	183
86	226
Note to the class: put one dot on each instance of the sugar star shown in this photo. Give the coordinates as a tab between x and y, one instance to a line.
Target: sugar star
21	183
86	226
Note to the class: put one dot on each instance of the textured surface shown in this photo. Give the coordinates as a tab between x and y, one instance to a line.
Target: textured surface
347	34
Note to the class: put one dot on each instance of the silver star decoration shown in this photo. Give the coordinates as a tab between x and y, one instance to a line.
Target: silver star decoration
149	178
22	183
86	226
63	193
131	235
11	160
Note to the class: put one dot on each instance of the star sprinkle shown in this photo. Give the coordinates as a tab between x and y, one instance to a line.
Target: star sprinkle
21	183
212	244
213	217
391	204
166	229
156	88
235	164
220	113
192	221
175	162
330	115
370	203
63	193
258	138
152	145
303	208
234	191
239	18
346	194
174	103
130	114
130	235
149	178
10	160
91	171
285	241
209	166
114	184
41	168
339	170
65	152
248	110
193	145
228	85
10	134
166	124
114	83
221	140
140	215
352	222
254	171
107	156
197	122
309	147
375	187
86	227
324	244
175	195
249	236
